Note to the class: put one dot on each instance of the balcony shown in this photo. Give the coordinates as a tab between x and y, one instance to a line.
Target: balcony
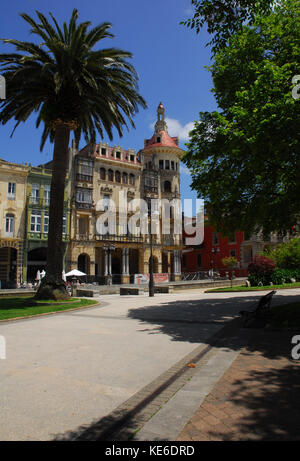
84	205
119	238
84	177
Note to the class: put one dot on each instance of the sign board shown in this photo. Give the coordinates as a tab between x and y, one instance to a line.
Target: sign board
142	279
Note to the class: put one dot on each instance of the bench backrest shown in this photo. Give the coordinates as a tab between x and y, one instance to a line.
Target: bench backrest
266	299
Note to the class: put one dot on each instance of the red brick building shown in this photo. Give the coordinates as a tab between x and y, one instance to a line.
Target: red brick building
213	249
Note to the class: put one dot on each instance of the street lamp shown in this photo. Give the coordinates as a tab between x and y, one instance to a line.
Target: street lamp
108	249
151	277
215	251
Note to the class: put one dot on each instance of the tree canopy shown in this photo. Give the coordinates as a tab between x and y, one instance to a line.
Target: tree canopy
225	17
245	158
67	78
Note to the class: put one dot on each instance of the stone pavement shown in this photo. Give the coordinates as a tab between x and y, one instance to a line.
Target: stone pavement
258	397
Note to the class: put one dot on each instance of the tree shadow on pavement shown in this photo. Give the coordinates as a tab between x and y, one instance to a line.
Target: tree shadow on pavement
201	321
216	322
258	398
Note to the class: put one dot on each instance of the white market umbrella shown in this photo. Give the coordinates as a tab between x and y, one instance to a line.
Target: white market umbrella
75	273
38	276
43	273
64	276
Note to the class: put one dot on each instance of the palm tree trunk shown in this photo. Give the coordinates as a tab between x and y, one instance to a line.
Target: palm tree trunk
52	286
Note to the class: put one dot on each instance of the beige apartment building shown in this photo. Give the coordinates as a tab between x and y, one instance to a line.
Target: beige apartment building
13	178
102	173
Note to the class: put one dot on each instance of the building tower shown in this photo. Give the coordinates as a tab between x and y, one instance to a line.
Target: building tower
161	160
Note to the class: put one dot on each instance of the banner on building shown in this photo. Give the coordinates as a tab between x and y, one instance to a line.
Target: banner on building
141	279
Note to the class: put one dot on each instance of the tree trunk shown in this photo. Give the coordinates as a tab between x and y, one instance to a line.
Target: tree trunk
52	285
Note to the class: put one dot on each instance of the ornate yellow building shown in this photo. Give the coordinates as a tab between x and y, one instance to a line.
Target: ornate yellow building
98	176
100	172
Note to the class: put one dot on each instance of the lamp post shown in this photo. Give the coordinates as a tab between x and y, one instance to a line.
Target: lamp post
151	278
215	251
108	275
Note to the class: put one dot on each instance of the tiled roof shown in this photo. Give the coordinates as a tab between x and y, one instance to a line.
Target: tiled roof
165	140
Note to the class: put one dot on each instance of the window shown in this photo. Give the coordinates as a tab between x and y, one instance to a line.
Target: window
215	239
118	155
106	199
47	194
9	225
131	179
132	158
103	151
167	186
64	225
84	196
161	164
199	260
125	178
11	191
85	167
232	253
167	164
158	139
118	176
110	175
172	165
46	223
35	221
35	193
102	173
82	226
184	260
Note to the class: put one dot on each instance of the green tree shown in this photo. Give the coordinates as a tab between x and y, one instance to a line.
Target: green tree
286	255
244	159
71	86
230	262
223	18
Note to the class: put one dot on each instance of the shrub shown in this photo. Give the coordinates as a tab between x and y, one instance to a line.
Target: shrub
281	276
260	270
286	255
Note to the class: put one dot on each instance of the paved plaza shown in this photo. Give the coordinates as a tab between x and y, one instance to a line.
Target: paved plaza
122	367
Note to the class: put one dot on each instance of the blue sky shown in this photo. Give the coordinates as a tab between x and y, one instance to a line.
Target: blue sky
168	57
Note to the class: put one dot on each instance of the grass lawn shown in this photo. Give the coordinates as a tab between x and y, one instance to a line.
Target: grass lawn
243	288
285	316
14	307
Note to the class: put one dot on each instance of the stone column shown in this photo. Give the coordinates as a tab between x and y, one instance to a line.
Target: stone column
125	266
177	268
105	262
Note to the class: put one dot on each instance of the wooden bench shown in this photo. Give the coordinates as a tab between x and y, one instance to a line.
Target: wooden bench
163	289
131	291
84	292
261	310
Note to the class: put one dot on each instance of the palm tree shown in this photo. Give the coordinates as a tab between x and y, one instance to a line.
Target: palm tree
71	87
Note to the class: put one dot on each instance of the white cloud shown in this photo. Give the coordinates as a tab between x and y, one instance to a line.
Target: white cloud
176	129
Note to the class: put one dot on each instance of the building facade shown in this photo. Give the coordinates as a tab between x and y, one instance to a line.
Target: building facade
102	179
13	180
97	174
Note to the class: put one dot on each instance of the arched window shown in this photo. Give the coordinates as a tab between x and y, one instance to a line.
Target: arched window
125	178
167	186
131	179
118	176
9	225
110	175
102	173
